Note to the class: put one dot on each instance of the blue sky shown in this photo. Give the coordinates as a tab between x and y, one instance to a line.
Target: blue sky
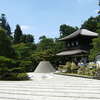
44	17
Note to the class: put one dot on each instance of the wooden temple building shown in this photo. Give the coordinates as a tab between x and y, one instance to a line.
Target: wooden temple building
78	45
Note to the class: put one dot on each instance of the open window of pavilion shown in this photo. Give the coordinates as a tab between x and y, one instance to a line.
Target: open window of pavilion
78	45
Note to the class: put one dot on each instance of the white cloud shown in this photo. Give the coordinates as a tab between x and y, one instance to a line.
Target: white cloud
24	27
96	11
30	30
27	29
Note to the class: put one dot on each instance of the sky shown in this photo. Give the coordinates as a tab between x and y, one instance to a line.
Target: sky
44	17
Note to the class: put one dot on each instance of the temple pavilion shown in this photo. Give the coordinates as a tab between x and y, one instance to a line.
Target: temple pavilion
78	45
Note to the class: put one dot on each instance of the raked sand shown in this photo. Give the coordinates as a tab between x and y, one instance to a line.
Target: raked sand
50	87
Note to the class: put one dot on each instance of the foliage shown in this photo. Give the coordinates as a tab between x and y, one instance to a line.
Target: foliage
46	55
17	70
8	69
42	37
5	45
19	37
22	50
26	38
17	34
6	62
74	68
66	30
96	48
22	76
68	67
90	69
92	24
4	24
47	49
45	44
27	65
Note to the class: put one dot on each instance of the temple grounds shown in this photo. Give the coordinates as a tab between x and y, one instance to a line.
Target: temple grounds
50	87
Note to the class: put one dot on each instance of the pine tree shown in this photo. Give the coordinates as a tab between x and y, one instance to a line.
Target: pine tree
5	45
17	34
4	24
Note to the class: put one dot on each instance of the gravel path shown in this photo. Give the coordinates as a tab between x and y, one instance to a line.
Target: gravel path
50	87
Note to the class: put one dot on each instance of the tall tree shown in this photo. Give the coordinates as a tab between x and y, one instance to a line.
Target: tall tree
27	38
90	24
5	45
8	29
4	24
17	34
42	37
45	43
66	30
96	48
96	42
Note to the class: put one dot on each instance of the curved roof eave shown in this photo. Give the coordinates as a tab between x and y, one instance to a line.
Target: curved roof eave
83	32
72	52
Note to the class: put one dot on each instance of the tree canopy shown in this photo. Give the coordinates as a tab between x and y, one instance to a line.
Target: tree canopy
5	45
66	30
92	24
5	25
96	48
17	34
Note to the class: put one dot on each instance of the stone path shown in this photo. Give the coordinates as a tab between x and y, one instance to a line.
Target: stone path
50	87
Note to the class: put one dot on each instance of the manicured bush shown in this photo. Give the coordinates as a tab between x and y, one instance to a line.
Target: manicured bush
22	76
28	65
18	70
82	70
74	68
6	62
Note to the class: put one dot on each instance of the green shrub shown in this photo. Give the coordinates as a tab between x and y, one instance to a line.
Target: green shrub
88	70
28	65
74	68
17	70
68	66
82	70
3	71
6	62
22	76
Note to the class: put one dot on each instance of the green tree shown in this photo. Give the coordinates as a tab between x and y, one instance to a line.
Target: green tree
45	44
4	24
8	29
47	49
22	50
17	34
92	24
42	37
5	45
27	38
66	30
96	48
3	21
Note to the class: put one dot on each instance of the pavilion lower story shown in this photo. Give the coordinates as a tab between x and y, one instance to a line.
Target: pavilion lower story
75	55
